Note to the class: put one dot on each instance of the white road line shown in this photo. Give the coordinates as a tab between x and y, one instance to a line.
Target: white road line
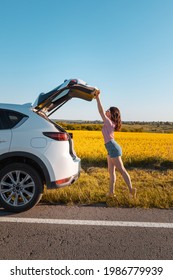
85	222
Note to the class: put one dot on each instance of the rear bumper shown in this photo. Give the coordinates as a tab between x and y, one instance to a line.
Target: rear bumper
64	182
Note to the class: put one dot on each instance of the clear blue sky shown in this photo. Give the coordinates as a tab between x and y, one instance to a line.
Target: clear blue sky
124	47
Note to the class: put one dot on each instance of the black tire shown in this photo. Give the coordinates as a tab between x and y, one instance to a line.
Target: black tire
20	187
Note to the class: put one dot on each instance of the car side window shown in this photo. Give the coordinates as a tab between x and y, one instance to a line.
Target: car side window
9	118
3	121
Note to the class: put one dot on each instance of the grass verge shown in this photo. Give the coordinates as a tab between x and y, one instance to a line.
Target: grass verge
154	189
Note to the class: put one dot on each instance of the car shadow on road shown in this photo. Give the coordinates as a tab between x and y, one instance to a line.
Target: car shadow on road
4	212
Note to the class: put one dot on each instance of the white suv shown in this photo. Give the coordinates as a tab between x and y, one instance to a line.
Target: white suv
34	151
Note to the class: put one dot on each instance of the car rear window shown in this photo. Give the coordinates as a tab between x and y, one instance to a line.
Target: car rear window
10	119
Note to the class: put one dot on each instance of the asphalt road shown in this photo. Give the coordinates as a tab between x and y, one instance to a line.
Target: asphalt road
40	239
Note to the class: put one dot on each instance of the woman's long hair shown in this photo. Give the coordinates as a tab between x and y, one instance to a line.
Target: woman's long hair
116	118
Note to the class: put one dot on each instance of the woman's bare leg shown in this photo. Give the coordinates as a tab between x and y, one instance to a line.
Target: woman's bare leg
120	166
112	174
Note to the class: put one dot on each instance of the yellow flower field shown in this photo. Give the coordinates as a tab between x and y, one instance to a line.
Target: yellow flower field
138	148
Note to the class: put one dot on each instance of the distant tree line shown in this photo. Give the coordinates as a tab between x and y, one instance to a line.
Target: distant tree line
132	126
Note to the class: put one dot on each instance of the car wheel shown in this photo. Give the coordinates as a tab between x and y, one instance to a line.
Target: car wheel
20	187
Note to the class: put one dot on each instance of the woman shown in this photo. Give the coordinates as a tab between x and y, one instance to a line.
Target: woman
112	122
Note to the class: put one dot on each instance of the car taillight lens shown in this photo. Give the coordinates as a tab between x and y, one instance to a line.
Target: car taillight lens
58	136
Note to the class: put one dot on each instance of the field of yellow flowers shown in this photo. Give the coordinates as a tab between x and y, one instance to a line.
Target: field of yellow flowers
148	158
139	149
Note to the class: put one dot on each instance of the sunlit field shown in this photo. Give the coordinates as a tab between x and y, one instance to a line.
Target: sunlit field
139	149
148	158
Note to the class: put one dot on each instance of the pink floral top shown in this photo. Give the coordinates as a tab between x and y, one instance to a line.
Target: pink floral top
108	130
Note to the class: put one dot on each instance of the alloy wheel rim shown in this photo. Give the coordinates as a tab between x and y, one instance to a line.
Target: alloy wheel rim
17	188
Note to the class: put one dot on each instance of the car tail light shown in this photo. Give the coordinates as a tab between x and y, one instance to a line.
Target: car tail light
58	136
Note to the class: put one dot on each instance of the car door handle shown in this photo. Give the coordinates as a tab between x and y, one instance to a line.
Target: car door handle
3	141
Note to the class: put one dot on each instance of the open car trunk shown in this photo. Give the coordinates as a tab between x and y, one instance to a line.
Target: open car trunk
54	99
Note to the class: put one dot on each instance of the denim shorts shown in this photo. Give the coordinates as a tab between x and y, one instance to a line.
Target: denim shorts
114	150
